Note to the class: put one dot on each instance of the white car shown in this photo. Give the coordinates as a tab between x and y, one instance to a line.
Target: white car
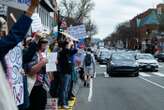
147	62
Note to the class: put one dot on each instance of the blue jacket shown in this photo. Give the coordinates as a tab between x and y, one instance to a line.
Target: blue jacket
16	35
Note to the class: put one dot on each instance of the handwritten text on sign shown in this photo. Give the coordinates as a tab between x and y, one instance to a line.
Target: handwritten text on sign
15	78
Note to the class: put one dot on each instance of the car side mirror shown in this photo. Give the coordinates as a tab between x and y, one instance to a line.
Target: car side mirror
108	59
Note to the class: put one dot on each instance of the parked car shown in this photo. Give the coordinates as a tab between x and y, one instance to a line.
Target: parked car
122	63
147	62
160	57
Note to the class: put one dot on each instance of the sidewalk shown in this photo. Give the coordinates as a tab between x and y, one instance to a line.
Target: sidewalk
52	103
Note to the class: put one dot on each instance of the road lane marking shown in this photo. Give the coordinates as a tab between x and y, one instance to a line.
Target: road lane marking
102	66
144	74
106	75
158	74
90	90
153	83
160	66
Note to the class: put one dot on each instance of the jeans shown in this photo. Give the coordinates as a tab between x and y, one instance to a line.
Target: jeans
64	89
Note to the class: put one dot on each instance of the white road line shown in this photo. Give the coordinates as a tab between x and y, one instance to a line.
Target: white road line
158	74
106	75
102	66
144	74
90	90
160	66
153	83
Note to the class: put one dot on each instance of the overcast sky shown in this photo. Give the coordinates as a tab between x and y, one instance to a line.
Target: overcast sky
108	13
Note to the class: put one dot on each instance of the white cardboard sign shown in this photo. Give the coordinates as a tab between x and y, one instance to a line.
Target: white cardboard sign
36	24
51	66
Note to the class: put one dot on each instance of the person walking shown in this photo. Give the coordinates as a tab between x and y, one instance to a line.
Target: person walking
89	67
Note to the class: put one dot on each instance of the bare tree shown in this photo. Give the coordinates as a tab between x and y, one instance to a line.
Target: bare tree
77	12
91	28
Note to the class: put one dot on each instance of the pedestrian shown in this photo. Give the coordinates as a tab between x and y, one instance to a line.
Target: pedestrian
89	67
16	35
38	96
65	69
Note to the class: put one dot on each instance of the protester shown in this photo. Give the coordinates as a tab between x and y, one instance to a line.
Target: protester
29	50
65	69
16	35
38	96
55	83
73	59
89	67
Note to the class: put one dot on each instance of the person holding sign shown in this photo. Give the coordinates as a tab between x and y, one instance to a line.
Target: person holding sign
37	67
16	35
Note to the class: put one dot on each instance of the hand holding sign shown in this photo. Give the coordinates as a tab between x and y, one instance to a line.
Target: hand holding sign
31	9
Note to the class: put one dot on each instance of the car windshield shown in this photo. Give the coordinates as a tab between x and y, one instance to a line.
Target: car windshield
123	57
105	54
145	56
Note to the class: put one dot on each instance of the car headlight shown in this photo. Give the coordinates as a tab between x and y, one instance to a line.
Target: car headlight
112	63
155	64
141	63
136	64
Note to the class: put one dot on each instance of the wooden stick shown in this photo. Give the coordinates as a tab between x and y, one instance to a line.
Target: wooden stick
13	17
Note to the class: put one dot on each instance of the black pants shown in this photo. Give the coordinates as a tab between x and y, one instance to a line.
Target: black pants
55	85
38	98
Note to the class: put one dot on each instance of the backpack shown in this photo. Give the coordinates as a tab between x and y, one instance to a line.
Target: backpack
88	60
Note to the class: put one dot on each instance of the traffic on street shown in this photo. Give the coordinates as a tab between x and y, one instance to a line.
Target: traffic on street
81	54
124	91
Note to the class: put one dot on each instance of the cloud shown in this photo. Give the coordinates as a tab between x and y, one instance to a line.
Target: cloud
109	13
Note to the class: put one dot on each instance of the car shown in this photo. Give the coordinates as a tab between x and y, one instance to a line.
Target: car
123	64
101	51
160	57
104	56
147	62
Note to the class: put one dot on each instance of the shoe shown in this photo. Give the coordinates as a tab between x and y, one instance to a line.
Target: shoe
66	107
85	84
88	85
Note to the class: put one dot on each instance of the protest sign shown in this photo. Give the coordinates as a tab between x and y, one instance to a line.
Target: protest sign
51	66
15	77
78	32
18	4
36	24
3	10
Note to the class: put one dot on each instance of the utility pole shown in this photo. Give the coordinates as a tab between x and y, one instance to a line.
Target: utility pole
58	23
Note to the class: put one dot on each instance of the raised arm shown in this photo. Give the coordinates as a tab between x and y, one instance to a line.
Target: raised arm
18	31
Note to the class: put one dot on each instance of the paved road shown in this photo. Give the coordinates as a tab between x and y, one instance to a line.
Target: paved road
145	92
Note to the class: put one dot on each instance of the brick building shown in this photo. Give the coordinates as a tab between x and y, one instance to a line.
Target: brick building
145	26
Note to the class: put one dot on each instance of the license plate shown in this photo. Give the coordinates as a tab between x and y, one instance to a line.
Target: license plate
148	67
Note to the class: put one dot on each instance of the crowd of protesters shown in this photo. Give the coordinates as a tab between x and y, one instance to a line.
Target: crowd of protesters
72	63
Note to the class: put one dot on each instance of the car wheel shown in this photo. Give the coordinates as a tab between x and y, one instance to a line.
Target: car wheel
110	75
156	70
136	74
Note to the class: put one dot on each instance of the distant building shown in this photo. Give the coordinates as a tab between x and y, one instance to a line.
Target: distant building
145	26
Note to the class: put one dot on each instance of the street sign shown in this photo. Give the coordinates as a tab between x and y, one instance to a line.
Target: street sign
78	32
18	4
3	10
